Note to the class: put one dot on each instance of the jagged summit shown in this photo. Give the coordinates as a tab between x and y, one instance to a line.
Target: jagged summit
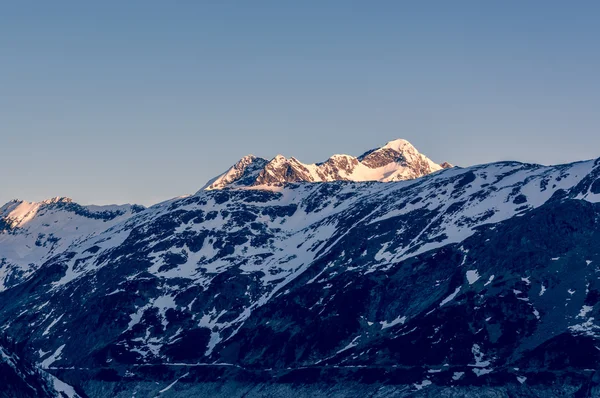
243	173
397	160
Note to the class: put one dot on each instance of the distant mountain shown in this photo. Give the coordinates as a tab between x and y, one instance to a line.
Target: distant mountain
396	161
479	281
32	232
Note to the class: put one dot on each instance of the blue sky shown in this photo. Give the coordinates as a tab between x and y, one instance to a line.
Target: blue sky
140	101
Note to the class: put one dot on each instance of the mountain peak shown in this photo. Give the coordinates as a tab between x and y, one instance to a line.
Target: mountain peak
395	161
246	168
279	159
399	145
247	159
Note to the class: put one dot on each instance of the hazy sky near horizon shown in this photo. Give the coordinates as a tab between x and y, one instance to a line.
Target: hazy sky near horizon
140	101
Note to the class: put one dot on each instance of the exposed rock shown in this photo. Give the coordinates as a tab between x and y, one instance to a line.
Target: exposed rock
396	161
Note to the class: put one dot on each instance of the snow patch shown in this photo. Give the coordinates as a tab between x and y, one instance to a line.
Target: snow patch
588	328
423	384
51	325
450	297
481	371
353	343
398	320
480	365
52	358
584	311
167	388
472	276
63	388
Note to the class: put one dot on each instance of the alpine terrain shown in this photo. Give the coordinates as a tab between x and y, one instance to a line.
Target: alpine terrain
396	161
385	275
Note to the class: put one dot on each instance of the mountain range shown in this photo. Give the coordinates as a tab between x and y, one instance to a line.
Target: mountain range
397	160
385	275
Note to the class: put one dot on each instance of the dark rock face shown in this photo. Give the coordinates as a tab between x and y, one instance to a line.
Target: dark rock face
243	173
5	225
337	168
20	379
70	206
381	158
281	170
385	156
470	281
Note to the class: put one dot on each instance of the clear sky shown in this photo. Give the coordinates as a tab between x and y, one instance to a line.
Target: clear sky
140	101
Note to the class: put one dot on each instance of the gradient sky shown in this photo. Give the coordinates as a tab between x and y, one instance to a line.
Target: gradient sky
140	101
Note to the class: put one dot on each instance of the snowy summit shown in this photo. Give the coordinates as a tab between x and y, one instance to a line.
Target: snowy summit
397	160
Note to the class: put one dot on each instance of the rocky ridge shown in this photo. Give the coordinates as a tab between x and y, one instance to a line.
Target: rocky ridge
398	160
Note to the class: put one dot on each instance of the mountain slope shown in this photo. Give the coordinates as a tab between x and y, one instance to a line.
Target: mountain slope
398	160
32	232
484	275
20	379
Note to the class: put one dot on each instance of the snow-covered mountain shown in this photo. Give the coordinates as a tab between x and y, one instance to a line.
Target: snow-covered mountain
32	232
398	160
476	281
